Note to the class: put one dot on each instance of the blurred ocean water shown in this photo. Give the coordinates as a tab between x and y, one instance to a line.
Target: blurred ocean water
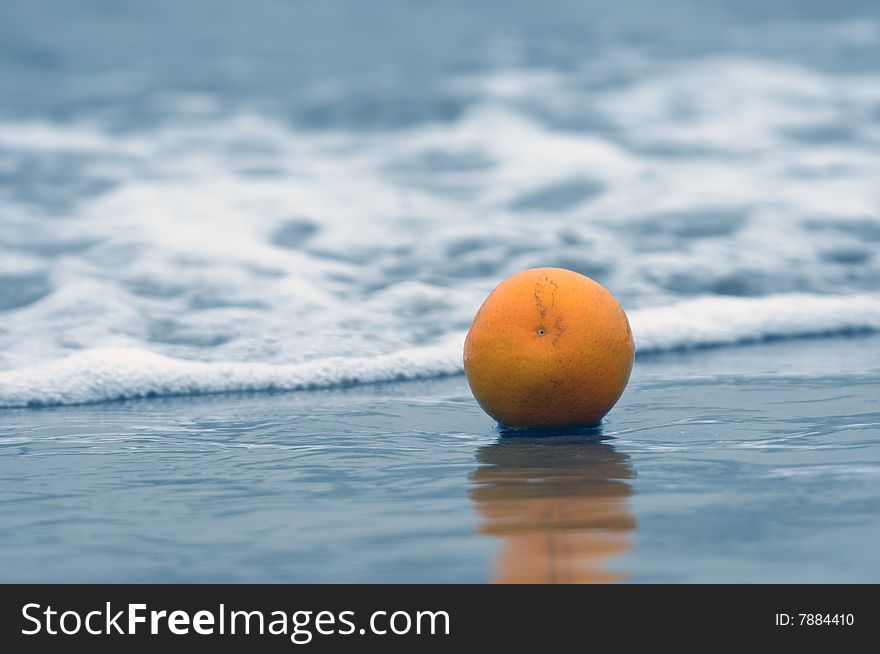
208	196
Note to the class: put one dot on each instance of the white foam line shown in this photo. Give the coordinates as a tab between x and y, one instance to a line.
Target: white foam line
107	374
711	321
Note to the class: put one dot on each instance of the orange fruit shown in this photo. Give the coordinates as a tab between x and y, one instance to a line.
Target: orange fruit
548	348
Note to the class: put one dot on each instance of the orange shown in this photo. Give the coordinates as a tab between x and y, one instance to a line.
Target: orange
548	348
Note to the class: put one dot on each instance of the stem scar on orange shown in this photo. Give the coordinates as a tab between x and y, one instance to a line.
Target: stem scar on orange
548	348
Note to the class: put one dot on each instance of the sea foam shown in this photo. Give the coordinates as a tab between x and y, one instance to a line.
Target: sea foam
721	199
106	374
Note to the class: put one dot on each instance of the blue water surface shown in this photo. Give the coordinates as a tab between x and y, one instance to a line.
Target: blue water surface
715	467
197	194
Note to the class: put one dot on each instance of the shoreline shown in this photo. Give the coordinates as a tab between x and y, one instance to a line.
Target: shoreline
771	476
649	358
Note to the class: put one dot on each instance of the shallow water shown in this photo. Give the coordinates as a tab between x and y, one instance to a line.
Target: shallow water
202	197
712	468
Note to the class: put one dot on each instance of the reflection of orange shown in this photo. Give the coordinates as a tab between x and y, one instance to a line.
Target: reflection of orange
559	507
549	347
